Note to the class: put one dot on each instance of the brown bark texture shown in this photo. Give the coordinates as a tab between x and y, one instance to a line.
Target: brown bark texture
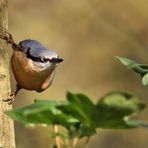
7	139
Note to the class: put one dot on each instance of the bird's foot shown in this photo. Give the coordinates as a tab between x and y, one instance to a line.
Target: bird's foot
9	40
8	37
10	98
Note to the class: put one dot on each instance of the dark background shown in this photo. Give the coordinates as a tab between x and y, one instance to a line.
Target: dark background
87	34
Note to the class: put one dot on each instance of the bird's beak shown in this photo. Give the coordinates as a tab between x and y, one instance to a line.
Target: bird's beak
56	60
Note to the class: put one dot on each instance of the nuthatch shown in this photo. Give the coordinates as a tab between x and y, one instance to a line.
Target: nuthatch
33	65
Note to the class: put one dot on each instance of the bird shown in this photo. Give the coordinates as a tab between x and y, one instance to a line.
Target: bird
33	65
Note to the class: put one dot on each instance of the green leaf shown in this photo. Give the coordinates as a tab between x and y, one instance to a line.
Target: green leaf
43	112
135	123
126	61
80	107
114	107
145	79
51	102
80	116
142	69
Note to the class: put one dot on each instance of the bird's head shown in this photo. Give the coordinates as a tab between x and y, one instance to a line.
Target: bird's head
41	57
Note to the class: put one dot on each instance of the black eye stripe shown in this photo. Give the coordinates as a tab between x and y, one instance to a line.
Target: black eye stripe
36	59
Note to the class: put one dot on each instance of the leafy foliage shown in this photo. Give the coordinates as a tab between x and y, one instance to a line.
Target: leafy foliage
115	107
141	69
80	116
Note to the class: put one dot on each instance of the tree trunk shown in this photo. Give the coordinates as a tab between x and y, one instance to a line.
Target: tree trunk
7	139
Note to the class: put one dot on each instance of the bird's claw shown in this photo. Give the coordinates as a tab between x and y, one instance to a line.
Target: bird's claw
10	98
7	37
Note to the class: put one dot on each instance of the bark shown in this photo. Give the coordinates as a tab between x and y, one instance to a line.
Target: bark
7	139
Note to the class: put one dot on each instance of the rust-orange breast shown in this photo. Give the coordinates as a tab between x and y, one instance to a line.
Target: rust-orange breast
27	75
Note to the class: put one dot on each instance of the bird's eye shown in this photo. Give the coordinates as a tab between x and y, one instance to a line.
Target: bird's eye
37	59
43	60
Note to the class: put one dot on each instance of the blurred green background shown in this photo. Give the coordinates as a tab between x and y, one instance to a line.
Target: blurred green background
87	34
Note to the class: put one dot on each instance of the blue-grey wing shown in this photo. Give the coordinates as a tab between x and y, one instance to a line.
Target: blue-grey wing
36	49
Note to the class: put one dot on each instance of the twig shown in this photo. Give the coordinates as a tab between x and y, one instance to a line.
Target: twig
75	141
86	142
57	138
66	141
